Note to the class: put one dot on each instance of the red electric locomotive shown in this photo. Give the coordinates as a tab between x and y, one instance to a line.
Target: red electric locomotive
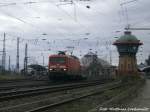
64	67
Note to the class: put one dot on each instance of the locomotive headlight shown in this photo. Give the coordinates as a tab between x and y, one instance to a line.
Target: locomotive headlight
50	69
65	69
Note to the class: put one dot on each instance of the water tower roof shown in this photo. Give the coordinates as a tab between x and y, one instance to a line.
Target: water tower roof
127	38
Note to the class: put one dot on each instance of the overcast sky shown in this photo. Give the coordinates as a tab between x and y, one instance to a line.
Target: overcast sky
50	25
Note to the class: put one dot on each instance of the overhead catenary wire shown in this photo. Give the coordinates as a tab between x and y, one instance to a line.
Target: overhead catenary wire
126	2
69	34
73	18
25	22
123	4
53	4
125	11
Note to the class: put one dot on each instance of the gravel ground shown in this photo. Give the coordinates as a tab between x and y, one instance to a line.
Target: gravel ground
86	104
40	97
141	100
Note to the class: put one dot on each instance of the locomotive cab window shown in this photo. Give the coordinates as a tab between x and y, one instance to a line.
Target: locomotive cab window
57	60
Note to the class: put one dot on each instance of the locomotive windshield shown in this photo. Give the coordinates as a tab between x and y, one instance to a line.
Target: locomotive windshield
57	60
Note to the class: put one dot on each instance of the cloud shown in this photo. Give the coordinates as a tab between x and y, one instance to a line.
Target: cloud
61	23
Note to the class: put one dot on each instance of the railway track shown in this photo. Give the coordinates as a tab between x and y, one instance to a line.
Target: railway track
120	97
18	81
43	90
17	84
11	84
44	104
25	84
69	99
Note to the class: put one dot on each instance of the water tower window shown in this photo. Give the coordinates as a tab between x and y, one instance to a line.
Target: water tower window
129	67
121	66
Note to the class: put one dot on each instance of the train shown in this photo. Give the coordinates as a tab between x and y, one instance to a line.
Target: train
69	67
64	67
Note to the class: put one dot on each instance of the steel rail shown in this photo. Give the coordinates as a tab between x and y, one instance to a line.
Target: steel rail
19	80
23	83
119	97
63	99
44	90
3	88
10	86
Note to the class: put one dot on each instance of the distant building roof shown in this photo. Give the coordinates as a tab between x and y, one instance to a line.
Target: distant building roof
104	63
88	58
37	67
144	69
90	54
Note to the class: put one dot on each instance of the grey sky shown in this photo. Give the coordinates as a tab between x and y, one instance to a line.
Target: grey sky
69	25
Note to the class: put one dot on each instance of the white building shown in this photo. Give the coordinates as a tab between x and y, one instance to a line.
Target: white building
90	57
94	67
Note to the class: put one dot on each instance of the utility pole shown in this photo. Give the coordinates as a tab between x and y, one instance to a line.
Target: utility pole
108	47
17	61
26	59
42	57
43	60
110	55
9	64
4	54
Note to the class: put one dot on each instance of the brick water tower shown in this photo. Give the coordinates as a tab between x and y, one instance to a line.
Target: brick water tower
127	46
